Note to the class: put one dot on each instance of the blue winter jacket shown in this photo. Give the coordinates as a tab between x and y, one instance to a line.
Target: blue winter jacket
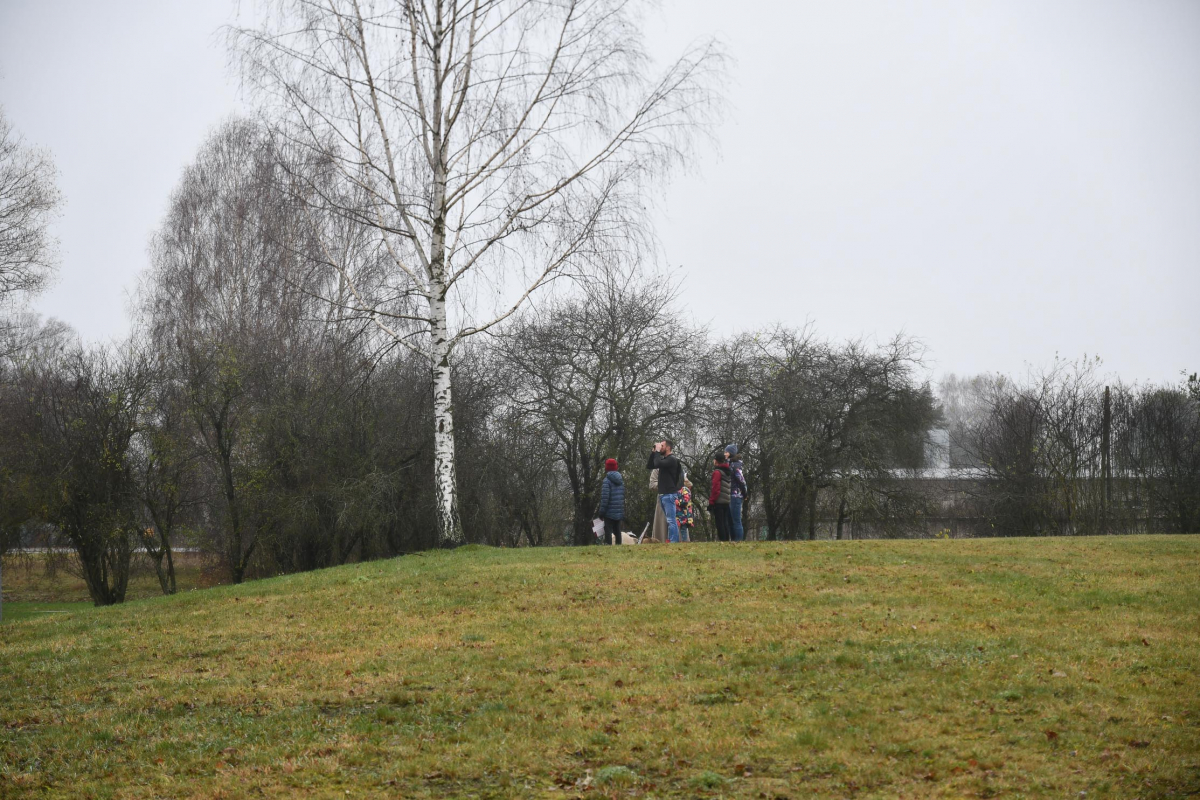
612	496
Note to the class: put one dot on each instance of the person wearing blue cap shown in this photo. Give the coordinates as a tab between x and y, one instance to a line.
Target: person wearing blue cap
737	493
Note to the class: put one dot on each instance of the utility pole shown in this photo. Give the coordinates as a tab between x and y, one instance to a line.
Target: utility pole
1105	460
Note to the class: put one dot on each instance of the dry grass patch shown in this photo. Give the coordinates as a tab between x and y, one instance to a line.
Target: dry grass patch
44	578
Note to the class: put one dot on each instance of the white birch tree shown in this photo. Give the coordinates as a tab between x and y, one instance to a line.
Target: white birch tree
490	146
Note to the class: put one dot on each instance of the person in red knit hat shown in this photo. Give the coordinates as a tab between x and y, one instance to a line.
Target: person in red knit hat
612	502
718	495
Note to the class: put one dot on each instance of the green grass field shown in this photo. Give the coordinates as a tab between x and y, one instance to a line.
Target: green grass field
19	612
987	668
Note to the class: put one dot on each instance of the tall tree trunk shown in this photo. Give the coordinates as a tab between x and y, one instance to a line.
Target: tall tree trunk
238	556
769	511
105	567
841	519
157	558
812	513
166	579
583	529
586	502
450	532
171	587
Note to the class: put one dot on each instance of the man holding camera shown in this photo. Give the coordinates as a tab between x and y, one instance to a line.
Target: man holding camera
670	478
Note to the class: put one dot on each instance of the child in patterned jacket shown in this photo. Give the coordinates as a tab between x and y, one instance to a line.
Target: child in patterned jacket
684	515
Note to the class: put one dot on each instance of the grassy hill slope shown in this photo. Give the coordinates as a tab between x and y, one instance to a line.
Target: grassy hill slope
1023	668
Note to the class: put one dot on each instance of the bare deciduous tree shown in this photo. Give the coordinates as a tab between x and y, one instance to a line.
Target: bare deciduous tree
1157	454
1038	445
490	146
85	406
600	376
163	462
29	200
826	418
224	315
965	405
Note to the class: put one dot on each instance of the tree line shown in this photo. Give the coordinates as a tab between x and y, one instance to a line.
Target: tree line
1062	452
413	304
249	416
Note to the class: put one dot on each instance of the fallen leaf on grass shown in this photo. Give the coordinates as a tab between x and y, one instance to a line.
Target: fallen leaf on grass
1051	735
1137	743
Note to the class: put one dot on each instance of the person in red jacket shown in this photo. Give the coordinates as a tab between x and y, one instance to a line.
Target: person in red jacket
718	495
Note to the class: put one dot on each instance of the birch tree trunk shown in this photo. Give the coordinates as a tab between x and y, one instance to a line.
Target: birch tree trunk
449	523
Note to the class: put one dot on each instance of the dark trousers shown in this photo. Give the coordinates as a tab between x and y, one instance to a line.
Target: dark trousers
612	531
721	517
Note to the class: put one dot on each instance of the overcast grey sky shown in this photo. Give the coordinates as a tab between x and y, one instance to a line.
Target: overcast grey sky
1005	180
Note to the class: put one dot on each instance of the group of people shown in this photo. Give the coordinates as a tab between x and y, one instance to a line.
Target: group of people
674	513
